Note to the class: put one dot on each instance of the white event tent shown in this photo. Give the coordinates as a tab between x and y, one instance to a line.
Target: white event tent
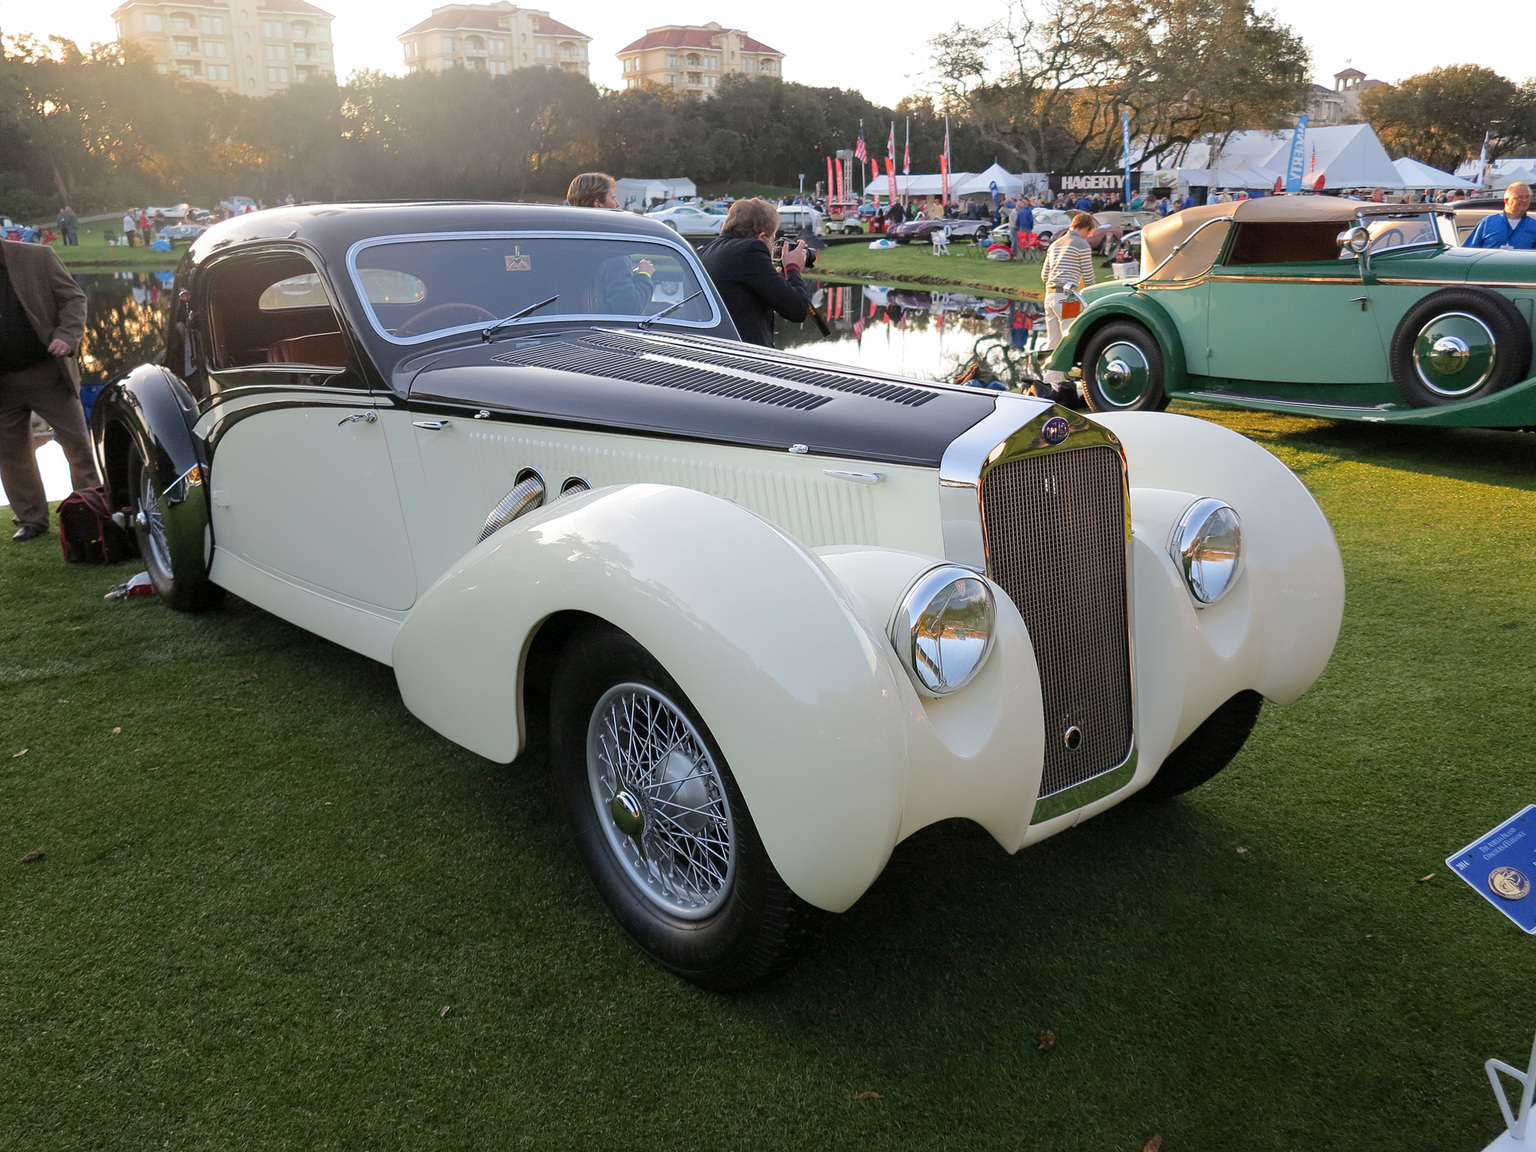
1501	173
1417	175
1008	183
640	193
961	183
1343	155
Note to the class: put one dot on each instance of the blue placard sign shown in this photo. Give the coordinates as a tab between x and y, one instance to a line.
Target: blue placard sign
1502	866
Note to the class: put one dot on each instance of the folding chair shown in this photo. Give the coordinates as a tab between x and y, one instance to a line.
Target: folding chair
1029	246
939	238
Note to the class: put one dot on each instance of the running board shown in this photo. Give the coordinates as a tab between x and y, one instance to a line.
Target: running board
1372	413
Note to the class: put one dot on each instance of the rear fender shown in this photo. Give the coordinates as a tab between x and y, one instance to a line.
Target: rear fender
800	695
151	412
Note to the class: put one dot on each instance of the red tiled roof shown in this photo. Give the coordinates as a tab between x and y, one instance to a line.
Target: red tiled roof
692	38
483	18
299	6
545	26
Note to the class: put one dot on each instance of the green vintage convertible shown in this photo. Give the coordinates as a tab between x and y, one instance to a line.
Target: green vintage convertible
1317	306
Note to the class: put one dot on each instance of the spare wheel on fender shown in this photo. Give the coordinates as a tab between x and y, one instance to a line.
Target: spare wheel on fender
1459	344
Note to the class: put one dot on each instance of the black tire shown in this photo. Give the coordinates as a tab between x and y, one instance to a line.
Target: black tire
1495	347
1131	345
176	567
982	235
1208	749
751	927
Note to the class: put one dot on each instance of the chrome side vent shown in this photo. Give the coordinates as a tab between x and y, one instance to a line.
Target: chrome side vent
526	495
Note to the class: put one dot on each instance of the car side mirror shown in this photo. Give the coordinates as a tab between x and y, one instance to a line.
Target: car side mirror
1356	240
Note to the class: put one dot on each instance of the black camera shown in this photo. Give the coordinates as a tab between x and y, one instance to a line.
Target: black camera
782	237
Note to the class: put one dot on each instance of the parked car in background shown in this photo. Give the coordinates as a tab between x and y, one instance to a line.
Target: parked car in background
802	219
774	614
175	232
1314	305
688	220
1470	212
919	231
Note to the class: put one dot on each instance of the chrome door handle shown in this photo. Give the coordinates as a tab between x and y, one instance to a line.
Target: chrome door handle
1360	300
365	417
434	425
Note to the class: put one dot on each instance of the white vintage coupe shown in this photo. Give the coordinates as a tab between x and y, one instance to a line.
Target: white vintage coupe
776	614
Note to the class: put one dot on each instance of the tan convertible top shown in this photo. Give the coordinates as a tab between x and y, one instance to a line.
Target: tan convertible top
1158	238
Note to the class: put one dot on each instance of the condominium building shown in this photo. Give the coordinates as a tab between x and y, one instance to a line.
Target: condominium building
252	47
495	38
692	58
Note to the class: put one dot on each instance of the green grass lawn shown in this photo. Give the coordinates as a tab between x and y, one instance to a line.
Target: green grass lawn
965	266
264	882
94	254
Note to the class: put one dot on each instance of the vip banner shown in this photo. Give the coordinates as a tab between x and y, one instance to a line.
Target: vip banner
1295	170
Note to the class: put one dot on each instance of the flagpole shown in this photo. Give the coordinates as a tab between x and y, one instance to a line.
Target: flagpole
906	162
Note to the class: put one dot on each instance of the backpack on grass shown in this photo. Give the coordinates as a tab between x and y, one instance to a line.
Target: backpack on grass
87	532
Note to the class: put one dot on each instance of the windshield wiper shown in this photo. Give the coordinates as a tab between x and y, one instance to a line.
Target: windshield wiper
500	324
649	320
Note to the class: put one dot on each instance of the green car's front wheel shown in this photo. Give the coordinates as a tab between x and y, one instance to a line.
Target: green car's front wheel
1123	370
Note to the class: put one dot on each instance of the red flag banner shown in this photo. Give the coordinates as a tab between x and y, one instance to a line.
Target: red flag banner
831	187
944	162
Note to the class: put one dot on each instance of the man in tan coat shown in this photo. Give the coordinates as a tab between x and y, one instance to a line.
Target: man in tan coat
42	318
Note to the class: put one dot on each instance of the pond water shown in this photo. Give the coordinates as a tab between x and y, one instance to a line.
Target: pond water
924	334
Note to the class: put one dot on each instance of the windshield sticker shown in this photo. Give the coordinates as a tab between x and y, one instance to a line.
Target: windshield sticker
519	261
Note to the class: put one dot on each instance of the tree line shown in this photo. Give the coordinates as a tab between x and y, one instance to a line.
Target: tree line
1043	88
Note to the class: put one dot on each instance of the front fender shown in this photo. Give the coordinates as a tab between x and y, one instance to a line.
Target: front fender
1275	630
1130	305
800	695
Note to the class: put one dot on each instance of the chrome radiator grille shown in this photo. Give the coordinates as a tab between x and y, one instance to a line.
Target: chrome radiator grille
1055	530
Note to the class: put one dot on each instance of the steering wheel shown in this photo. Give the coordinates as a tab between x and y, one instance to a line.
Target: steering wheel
430	320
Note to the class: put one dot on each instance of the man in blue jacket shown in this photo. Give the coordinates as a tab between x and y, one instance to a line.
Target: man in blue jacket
1511	228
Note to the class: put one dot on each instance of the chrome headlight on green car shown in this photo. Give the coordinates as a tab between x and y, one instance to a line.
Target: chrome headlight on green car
943	628
1207	546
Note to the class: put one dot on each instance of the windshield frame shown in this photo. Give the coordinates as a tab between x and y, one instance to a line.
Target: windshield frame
689	258
1437	231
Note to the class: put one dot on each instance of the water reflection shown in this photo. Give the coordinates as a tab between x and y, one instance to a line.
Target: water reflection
921	334
124	321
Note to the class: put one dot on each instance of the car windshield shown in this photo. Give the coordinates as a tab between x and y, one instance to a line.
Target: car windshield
1392	232
419	289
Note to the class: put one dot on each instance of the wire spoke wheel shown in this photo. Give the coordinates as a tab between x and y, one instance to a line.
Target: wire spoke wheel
151	524
660	801
660	823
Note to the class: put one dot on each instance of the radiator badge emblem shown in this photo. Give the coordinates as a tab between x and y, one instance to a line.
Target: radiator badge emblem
1056	430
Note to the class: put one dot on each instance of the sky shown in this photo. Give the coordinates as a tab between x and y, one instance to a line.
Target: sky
882	53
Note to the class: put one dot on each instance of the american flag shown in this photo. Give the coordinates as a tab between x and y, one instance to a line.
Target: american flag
858	149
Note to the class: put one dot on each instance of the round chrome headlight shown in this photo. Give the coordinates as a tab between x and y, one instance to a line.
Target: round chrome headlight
943	628
1207	546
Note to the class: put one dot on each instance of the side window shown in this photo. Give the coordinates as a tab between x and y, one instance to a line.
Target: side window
271	309
1294	242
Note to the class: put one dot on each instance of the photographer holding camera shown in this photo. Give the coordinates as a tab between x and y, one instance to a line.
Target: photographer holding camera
742	266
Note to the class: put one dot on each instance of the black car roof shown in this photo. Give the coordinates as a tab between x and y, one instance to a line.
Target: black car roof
333	228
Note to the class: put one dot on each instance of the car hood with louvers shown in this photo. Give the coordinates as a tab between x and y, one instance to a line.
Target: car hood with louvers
700	389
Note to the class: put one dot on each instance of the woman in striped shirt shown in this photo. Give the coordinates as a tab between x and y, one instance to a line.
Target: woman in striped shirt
1068	266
